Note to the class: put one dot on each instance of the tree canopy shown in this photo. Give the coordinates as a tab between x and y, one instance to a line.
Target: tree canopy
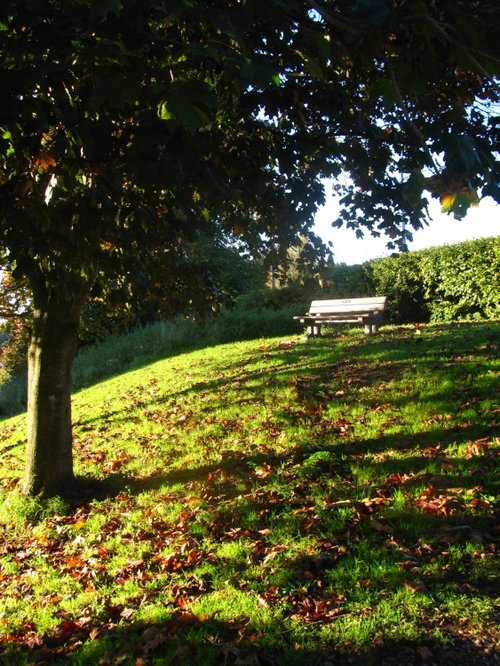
130	127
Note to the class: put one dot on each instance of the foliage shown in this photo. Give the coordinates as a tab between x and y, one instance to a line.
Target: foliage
343	281
329	281
303	265
446	283
290	297
272	502
232	272
99	321
400	279
118	180
13	349
463	281
14	297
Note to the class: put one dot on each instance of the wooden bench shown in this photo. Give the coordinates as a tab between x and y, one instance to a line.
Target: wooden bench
366	311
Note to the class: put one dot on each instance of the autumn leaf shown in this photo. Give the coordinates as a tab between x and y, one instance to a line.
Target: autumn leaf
381	527
44	161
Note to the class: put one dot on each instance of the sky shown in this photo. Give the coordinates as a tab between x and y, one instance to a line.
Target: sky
480	222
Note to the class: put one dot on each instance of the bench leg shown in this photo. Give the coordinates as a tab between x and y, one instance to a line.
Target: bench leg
370	328
313	331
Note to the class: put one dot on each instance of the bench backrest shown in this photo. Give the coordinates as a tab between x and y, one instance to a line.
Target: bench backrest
347	305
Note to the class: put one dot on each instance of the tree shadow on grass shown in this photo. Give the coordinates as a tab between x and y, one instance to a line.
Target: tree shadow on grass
187	640
424	447
320	379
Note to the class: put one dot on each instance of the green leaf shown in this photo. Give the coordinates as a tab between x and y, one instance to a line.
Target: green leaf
190	104
102	8
413	188
459	203
276	79
384	89
374	10
192	117
114	89
164	112
468	152
314	68
323	46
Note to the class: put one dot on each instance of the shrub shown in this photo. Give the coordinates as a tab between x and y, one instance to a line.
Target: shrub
400	279
446	283
343	281
462	281
292	297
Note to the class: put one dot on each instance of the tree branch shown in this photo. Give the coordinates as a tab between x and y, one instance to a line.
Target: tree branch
416	131
474	61
334	20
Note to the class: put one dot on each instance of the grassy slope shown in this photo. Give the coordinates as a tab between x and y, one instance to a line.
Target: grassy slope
269	502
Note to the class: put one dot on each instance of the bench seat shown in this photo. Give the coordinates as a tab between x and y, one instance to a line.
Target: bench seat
365	311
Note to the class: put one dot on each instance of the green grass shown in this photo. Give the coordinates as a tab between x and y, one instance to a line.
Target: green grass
144	344
268	502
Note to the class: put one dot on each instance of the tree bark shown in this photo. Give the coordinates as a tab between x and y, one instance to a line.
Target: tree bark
52	348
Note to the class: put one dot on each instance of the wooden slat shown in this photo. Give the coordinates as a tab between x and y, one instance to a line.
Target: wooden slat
347	305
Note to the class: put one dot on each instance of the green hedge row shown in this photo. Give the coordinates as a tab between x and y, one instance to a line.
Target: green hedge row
448	283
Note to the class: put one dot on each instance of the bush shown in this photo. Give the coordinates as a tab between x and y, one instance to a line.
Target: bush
293	297
446	283
462	281
400	279
343	281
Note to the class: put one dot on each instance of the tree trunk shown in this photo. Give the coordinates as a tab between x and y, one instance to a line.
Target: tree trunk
52	348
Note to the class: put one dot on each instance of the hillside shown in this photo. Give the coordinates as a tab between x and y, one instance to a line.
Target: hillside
269	502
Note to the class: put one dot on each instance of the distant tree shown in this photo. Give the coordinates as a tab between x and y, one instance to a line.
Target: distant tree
343	281
130	127
303	263
233	271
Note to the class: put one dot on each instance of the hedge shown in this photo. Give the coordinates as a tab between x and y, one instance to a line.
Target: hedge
448	283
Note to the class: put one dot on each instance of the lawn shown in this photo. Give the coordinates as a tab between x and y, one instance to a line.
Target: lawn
269	502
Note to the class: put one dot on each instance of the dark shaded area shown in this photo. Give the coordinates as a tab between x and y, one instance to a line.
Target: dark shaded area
177	641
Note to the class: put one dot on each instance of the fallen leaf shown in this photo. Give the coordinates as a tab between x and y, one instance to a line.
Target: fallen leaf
416	586
425	653
380	527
